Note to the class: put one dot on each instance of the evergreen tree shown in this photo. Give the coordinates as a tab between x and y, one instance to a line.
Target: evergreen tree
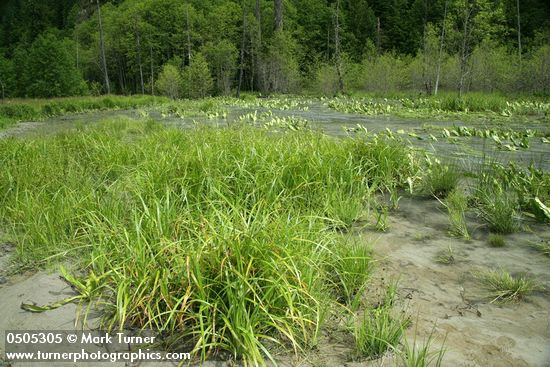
169	81
197	81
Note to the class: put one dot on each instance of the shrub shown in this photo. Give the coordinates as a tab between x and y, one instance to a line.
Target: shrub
169	81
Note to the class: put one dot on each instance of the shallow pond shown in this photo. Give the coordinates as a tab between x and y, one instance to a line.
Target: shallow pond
467	152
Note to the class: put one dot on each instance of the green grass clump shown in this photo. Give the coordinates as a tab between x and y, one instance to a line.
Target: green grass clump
421	355
531	185
379	331
222	236
502	287
498	205
542	247
344	209
351	272
440	180
6	122
496	240
501	212
457	203
446	257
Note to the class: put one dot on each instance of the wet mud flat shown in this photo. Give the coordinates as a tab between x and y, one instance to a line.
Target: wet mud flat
443	300
448	298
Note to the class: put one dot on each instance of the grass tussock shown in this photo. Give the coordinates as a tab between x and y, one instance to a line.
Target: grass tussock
422	355
446	257
440	180
543	248
223	236
503	287
496	240
457	204
379	330
498	206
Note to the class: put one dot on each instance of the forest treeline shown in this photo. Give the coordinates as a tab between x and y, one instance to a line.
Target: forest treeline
195	48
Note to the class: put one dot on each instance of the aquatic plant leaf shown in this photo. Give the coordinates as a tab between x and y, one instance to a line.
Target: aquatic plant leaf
543	208
33	307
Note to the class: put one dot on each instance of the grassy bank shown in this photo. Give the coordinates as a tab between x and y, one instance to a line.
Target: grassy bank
471	106
233	238
14	110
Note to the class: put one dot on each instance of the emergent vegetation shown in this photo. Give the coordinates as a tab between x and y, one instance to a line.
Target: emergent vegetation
221	235
502	287
456	204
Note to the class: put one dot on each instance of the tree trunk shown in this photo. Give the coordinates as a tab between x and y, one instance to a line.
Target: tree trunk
278	4
519	32
257	49
241	66
2	85
425	77
139	62
337	59
440	56
152	74
188	36
258	14
465	48
77	55
378	36
121	77
102	47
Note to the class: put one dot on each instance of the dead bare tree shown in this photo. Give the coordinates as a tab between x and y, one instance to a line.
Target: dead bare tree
256	46
258	15
425	78
152	70
102	47
378	40
3	95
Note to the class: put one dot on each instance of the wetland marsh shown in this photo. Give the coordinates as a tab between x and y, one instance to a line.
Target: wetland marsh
288	230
